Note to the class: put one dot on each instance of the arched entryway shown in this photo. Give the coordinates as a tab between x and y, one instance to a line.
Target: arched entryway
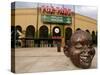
43	32
78	29
56	36
56	31
93	37
30	31
68	33
43	35
30	34
18	27
18	33
87	31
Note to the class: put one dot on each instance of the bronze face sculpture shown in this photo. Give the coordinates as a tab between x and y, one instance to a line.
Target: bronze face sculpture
80	49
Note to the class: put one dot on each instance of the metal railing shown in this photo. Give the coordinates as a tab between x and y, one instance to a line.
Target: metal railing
30	42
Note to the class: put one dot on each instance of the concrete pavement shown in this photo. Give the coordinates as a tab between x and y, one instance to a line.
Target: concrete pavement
43	60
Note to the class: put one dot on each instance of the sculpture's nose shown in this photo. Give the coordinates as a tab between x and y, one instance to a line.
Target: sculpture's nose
85	53
78	46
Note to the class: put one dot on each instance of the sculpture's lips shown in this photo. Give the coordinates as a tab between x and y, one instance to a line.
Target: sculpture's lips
85	59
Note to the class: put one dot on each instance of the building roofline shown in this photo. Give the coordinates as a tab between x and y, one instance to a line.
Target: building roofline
86	16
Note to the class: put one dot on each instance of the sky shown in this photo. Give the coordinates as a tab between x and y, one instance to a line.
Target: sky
89	11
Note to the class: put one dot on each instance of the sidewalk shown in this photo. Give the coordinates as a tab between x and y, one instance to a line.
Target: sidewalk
43	60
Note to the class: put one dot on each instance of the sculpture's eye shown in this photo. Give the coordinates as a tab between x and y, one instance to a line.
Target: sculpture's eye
91	52
89	46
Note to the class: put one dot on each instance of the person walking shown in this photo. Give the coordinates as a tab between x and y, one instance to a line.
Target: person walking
58	47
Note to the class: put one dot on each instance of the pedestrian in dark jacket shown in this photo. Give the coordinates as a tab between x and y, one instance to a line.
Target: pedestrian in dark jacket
58	47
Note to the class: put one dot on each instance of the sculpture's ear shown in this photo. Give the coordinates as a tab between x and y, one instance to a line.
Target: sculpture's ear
92	52
66	50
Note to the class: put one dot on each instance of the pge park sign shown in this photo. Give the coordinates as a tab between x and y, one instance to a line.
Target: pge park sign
56	15
56	10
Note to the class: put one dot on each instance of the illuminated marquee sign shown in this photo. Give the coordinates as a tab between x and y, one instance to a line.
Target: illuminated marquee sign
56	19
56	10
